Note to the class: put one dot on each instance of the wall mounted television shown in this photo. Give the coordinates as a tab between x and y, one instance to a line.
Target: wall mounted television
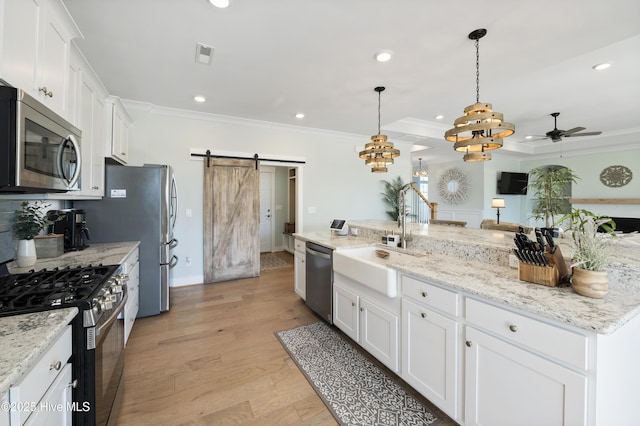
513	183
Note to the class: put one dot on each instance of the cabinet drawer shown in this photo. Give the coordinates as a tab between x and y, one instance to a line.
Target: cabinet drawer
36	382
562	344
428	294
300	245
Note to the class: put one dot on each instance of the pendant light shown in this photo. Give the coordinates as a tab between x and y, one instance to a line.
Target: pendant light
379	152
480	129
420	171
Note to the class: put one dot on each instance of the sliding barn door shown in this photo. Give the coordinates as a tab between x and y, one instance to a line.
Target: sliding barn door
231	220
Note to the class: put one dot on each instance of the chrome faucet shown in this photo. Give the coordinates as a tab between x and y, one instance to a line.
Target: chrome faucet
402	219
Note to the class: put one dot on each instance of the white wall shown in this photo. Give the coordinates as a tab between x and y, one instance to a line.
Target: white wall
336	183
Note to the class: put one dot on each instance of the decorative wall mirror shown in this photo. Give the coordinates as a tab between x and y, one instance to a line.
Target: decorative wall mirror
453	186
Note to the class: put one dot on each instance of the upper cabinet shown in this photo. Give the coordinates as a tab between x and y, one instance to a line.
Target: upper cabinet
118	122
36	40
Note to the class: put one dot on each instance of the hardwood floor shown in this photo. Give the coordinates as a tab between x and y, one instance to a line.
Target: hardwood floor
214	358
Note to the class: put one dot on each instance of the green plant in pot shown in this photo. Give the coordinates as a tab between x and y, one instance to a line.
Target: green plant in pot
551	187
591	252
27	224
390	196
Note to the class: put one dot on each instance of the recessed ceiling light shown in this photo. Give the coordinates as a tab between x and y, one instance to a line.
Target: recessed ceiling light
600	67
220	3
299	115
439	117
528	137
199	98
383	56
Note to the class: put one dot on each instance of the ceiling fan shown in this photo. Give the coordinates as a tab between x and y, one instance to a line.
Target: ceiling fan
556	135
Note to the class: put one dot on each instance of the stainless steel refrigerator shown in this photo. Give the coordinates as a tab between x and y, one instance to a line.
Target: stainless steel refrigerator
140	203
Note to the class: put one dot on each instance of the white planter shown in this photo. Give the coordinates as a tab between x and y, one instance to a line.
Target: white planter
26	253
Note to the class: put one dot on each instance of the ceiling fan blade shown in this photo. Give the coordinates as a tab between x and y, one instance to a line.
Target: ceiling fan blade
574	130
583	134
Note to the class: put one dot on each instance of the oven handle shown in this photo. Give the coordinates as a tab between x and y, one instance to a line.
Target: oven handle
108	323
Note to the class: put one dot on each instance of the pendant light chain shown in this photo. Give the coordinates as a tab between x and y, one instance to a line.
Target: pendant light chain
379	92
477	71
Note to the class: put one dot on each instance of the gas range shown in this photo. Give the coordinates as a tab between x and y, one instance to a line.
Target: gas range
99	293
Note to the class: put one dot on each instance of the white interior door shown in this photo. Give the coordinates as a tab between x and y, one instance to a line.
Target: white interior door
267	177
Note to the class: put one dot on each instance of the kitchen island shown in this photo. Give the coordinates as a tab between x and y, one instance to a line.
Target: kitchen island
498	349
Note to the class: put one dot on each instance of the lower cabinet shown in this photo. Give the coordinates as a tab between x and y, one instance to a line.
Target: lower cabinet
370	325
38	395
430	355
131	267
300	268
507	385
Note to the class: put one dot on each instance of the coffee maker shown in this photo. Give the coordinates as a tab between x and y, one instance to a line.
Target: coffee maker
72	223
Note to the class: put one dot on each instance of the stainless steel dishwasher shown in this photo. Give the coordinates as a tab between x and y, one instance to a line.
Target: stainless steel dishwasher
319	280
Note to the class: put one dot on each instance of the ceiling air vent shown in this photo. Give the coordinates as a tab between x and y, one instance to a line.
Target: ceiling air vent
204	54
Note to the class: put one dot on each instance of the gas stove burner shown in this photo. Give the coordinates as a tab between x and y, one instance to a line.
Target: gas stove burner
52	288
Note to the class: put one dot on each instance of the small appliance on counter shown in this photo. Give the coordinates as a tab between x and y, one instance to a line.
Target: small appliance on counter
73	226
339	227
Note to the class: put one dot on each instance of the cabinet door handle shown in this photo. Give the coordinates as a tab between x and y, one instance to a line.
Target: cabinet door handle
424	294
468	343
353	304
361	309
56	366
423	314
74	384
513	328
45	91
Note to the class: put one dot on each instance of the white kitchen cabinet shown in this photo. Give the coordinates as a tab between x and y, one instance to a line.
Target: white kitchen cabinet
91	115
131	267
47	383
430	355
300	271
367	323
507	385
36	41
118	124
379	333
519	370
55	406
4	414
345	311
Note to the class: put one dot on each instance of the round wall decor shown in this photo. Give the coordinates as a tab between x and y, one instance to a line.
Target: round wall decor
616	176
453	186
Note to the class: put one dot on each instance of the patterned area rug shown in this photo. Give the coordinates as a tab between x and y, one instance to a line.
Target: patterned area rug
272	261
354	389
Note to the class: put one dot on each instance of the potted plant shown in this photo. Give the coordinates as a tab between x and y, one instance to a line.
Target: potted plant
550	189
27	224
591	252
390	196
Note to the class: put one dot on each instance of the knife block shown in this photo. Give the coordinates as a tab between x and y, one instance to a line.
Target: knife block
551	275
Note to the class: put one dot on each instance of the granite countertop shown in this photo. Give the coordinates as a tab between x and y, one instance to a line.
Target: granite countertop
455	265
24	338
95	254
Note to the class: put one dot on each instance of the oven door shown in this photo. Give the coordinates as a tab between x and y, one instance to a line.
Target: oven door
109	362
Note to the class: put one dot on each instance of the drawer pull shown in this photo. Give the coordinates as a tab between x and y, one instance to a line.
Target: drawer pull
46	92
424	294
468	343
513	328
423	314
56	366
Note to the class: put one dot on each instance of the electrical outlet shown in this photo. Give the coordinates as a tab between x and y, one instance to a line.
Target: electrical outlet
513	261
187	261
189	213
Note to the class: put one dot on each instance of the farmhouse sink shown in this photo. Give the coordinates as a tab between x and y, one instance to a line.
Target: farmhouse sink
364	266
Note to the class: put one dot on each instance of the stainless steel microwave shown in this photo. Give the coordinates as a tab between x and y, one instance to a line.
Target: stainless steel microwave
39	150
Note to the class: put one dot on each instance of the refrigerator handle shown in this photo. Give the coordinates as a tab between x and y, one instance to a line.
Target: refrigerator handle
173	262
